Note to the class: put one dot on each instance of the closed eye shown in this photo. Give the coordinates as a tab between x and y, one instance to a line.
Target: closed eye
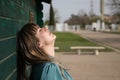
40	30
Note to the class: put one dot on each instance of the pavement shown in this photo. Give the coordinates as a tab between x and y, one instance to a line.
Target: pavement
105	66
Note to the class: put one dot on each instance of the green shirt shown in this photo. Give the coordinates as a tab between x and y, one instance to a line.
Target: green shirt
48	71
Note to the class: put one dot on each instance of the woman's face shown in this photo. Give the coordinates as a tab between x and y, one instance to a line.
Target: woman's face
44	36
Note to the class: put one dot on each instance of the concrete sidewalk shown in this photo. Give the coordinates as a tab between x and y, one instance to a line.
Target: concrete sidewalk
106	66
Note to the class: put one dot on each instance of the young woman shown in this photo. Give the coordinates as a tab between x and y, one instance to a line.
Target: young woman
35	47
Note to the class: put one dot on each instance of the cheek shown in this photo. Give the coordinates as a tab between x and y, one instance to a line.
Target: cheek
48	39
44	38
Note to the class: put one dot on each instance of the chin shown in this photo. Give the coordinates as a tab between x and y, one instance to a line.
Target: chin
54	37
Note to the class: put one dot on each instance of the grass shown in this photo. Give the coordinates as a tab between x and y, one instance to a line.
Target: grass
66	39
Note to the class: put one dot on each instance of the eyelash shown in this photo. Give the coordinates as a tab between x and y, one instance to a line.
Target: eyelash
40	30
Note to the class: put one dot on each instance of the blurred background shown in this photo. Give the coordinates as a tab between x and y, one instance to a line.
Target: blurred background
88	35
85	14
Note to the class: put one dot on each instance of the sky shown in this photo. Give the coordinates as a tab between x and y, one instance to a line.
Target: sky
67	7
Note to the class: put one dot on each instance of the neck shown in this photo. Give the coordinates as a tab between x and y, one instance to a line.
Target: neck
49	50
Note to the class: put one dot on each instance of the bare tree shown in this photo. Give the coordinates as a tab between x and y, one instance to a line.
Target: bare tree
79	19
115	5
115	8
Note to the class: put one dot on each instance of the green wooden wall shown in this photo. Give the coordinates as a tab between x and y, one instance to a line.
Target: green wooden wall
13	15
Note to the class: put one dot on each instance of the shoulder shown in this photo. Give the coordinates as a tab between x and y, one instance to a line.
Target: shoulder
51	71
47	69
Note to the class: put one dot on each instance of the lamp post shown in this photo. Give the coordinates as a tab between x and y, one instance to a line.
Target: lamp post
102	13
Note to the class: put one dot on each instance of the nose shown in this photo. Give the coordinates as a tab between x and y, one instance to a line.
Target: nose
45	29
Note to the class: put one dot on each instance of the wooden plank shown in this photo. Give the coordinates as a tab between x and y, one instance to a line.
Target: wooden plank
6	47
7	67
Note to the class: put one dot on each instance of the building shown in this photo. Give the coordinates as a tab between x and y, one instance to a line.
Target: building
13	15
